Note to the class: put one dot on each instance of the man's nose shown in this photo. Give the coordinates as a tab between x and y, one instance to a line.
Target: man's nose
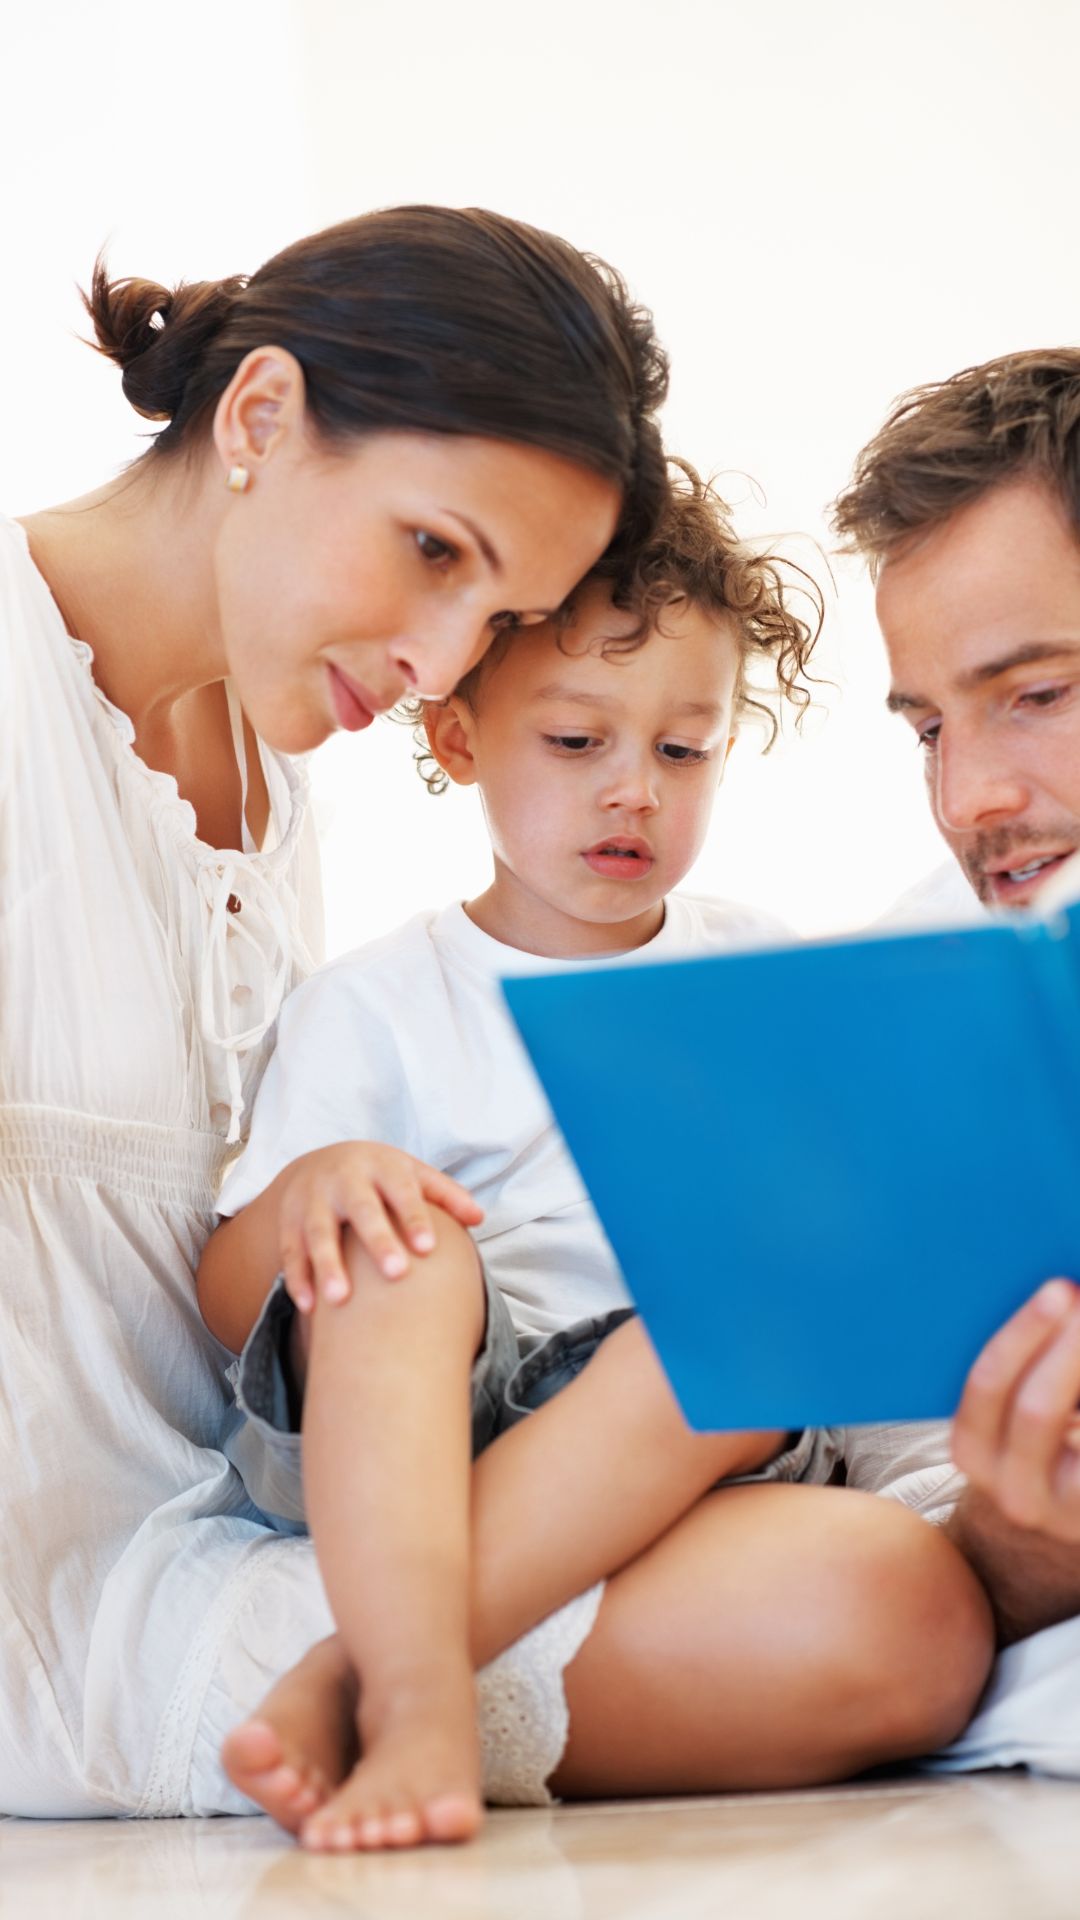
973	783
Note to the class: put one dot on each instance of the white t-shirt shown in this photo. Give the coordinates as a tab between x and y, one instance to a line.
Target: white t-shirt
408	1041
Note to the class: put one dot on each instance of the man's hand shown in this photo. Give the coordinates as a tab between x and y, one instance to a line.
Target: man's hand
380	1192
1016	1435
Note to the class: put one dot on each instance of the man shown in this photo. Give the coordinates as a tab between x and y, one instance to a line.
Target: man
967	506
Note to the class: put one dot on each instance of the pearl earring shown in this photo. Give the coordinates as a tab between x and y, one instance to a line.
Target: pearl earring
237	479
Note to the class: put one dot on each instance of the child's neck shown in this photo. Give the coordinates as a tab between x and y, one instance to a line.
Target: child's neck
517	918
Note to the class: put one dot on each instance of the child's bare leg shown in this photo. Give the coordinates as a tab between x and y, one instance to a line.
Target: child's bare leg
586	1483
386	1472
303	1742
560	1501
386	1475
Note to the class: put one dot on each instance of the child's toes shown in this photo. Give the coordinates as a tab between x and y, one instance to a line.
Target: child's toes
452	1816
403	1825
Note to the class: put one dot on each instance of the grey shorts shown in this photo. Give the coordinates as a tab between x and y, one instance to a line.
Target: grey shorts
262	1438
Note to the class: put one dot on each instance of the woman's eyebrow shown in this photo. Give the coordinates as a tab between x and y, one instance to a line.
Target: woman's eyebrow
480	537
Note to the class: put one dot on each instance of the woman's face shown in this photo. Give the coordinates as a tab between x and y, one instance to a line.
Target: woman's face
347	578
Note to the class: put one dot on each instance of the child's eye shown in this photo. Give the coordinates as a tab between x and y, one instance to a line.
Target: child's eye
571	743
437	552
681	756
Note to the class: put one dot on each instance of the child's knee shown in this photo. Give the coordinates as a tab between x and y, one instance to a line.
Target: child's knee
448	1280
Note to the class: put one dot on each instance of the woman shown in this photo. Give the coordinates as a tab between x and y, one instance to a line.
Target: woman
396	437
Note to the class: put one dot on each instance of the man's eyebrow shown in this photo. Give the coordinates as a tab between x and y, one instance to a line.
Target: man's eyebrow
481	539
1027	655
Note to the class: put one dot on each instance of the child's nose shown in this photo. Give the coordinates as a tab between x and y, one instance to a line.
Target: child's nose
633	787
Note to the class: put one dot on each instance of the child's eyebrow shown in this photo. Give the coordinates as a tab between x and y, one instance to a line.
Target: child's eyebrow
580	697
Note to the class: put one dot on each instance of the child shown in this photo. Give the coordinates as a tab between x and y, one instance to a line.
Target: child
598	747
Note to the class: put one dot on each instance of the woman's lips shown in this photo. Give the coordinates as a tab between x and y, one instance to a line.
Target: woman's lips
353	707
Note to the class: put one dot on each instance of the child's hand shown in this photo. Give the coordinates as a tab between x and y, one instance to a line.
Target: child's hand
381	1193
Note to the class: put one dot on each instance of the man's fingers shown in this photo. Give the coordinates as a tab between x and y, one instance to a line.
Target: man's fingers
1037	1431
981	1419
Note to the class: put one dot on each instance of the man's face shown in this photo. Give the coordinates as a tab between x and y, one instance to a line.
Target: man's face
981	619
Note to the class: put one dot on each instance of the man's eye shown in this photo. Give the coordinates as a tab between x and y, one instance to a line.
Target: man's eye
1041	697
569	742
927	738
437	551
683	756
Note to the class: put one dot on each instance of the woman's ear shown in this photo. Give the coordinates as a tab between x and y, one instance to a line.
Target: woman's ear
263	402
450	726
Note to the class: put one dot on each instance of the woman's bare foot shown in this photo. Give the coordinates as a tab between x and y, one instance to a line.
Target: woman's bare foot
419	1778
302	1742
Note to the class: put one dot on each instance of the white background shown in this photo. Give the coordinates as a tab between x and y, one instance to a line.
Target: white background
824	202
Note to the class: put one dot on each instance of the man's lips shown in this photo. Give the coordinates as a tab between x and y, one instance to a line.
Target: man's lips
1014	878
622	857
354	706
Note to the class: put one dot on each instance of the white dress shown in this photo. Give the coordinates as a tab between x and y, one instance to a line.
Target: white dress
136	1009
145	1606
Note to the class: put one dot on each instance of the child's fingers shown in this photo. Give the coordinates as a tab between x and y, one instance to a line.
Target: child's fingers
446	1193
367	1216
322	1233
296	1272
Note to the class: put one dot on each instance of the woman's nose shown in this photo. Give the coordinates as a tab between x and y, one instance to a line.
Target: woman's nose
432	663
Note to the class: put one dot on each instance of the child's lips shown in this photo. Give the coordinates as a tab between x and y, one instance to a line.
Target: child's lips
620	858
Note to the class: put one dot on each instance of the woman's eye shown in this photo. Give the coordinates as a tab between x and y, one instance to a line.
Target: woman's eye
682	756
437	552
570	742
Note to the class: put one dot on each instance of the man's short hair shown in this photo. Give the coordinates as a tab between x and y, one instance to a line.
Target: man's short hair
946	443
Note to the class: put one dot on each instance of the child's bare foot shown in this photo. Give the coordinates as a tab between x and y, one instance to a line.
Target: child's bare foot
419	1778
302	1742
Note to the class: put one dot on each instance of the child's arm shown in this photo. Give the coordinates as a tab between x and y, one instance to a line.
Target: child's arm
295	1226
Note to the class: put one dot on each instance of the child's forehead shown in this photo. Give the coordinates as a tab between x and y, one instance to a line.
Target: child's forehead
600	641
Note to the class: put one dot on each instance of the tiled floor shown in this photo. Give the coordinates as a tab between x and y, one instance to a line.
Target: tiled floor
989	1847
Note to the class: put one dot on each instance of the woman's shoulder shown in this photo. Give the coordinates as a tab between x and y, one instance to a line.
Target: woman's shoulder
21	596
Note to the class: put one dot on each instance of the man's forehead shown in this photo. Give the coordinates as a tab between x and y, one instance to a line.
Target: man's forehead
997	586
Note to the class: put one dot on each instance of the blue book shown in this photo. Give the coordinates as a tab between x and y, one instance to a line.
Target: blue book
828	1172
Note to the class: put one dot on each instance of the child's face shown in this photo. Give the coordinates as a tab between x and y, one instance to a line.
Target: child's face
597	775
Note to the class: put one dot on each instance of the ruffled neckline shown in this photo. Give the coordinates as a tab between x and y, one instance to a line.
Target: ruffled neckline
162	787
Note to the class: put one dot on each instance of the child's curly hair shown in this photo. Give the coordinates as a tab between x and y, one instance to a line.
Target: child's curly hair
694	555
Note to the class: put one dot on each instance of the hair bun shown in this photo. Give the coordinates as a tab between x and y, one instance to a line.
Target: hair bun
156	337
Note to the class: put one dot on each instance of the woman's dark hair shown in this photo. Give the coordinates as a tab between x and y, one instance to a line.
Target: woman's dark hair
434	319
